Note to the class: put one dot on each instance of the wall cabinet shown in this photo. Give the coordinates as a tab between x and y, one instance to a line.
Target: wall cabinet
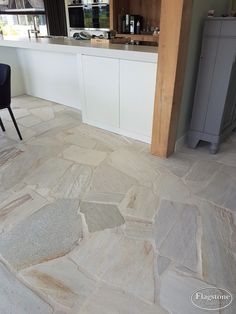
214	111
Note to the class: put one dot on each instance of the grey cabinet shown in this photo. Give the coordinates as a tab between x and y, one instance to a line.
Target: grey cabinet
214	110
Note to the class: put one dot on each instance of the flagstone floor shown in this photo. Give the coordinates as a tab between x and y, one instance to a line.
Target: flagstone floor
91	223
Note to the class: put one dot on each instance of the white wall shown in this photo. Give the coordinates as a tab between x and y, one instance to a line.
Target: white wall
9	56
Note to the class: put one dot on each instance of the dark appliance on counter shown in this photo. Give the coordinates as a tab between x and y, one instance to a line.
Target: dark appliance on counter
90	14
76	16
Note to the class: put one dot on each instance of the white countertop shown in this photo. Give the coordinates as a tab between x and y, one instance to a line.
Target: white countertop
66	45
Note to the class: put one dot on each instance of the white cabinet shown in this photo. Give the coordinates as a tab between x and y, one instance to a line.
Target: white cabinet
137	91
101	88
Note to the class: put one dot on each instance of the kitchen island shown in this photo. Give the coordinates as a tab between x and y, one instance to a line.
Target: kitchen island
113	85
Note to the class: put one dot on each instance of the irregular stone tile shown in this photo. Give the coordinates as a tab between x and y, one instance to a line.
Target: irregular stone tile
220	190
84	156
43	113
201	173
29	121
176	233
120	261
162	264
52	231
11	133
176	292
18	113
40	176
101	216
25	163
140	203
138	230
229	170
218	263
227	154
133	165
179	164
110	180
53	127
61	281
105	198
8	154
23	101
74	137
107	300
109	139
19	206
16	298
73	183
172	188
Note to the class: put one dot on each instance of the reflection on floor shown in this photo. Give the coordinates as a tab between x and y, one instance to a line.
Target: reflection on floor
90	222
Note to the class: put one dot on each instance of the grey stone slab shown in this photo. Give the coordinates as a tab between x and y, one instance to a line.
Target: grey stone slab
100	216
120	261
171	187
162	264
17	298
61	281
220	190
52	231
74	182
176	233
138	230
107	179
218	262
107	300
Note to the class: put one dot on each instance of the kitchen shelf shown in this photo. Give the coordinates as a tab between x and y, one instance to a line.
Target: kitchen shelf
141	37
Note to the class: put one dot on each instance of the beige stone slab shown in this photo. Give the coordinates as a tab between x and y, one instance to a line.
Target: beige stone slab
104	198
19	206
218	262
123	262
176	291
49	173
18	113
140	203
138	230
107	300
133	165
43	113
84	156
74	182
61	281
17	298
8	154
29	121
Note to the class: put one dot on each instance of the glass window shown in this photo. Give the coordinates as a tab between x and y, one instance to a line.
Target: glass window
17	26
17	17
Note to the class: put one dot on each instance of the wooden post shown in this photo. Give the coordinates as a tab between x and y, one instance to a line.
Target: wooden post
172	57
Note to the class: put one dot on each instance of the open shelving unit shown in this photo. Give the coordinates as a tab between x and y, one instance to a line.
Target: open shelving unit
150	13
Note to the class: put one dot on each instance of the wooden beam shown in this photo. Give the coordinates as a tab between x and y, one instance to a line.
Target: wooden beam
172	57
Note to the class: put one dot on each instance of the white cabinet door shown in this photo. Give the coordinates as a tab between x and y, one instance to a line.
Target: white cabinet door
137	92
101	84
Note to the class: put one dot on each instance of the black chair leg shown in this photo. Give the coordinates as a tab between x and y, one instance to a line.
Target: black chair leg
2	125
14	121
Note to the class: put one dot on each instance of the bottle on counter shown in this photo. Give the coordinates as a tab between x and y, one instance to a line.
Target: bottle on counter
138	30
